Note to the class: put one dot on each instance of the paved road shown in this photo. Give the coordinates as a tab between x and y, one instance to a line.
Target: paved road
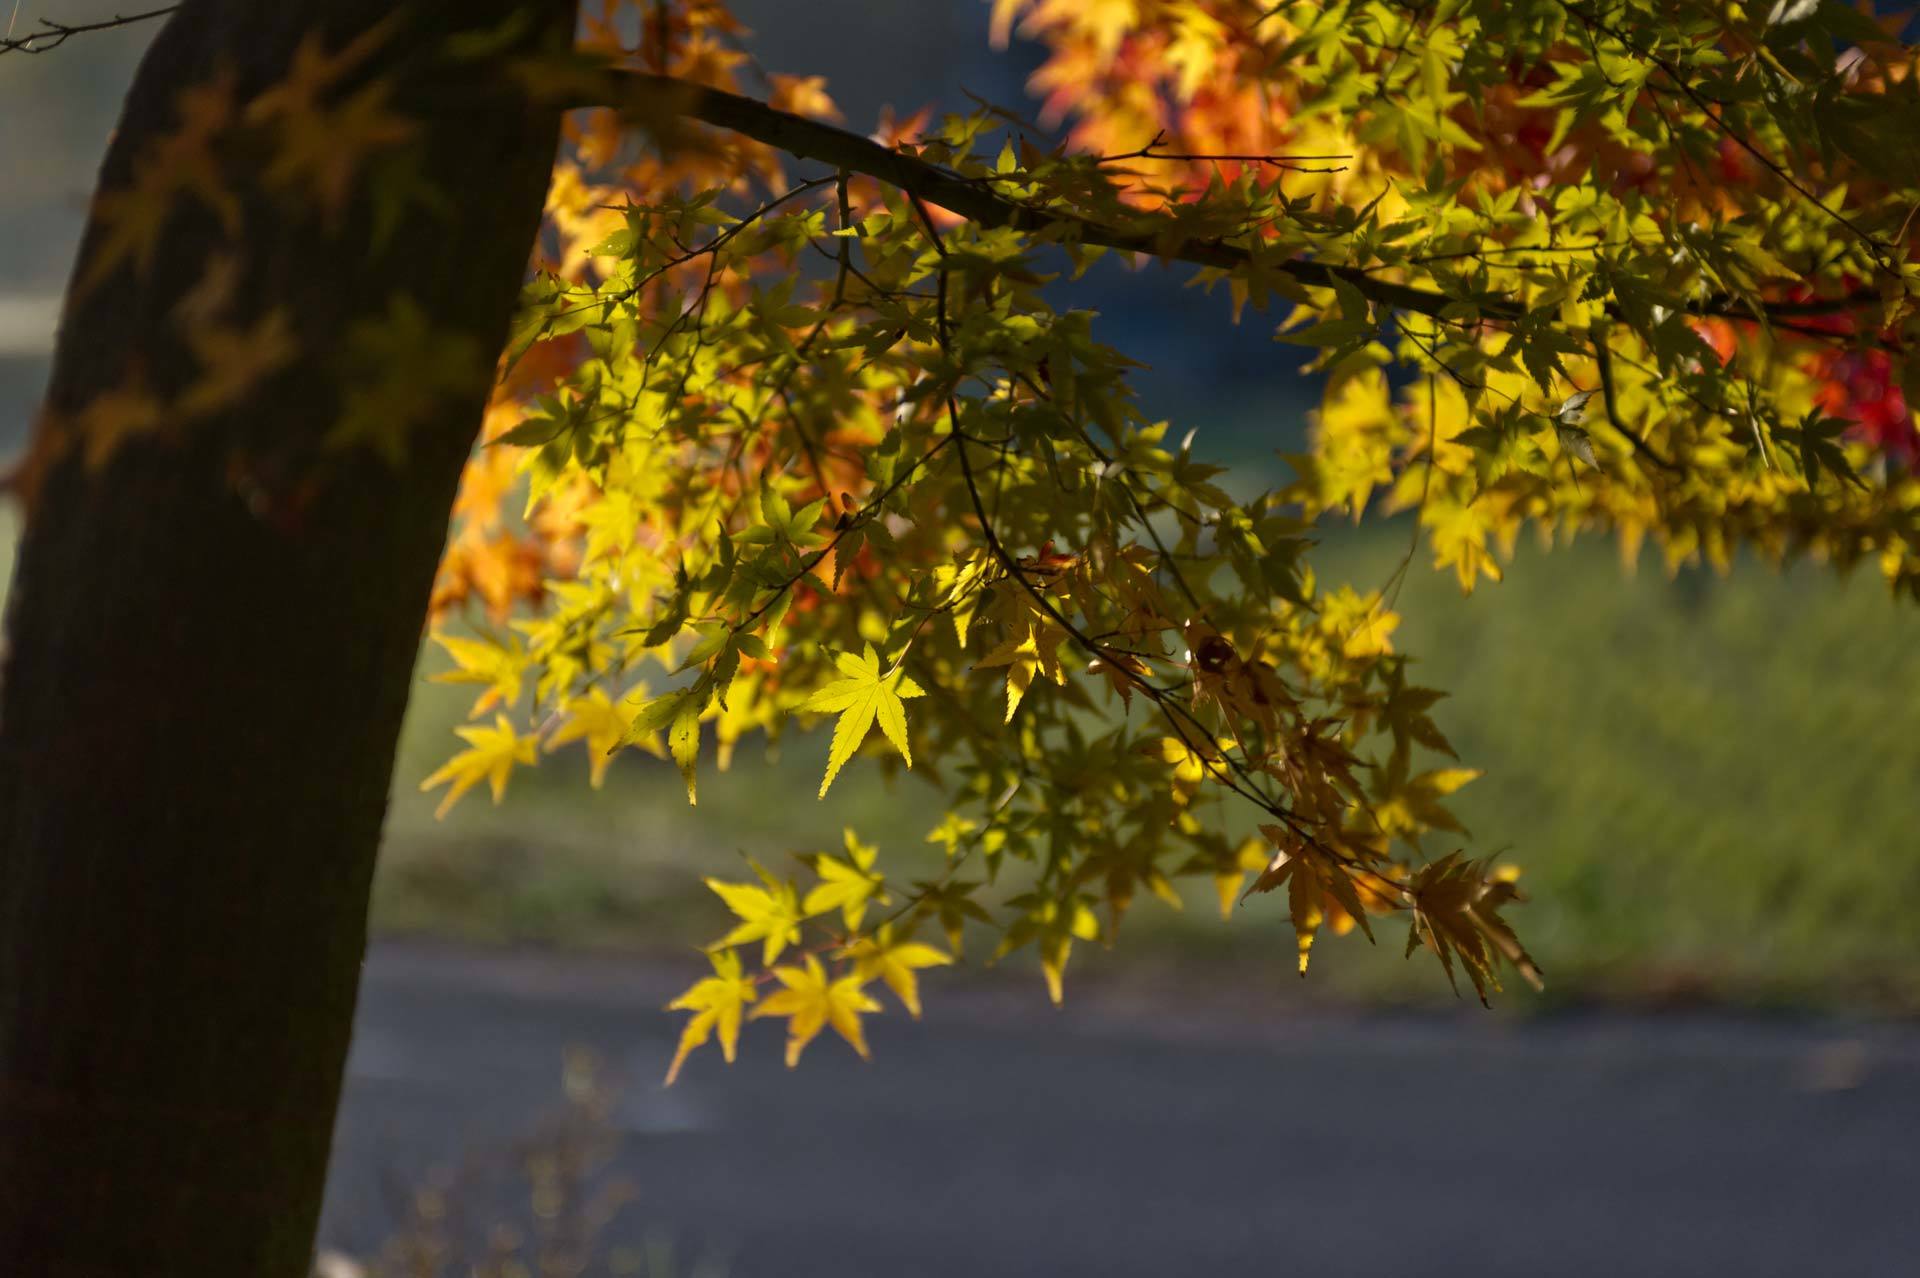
1001	1138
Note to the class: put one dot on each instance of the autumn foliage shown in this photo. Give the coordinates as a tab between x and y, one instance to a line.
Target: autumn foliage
791	432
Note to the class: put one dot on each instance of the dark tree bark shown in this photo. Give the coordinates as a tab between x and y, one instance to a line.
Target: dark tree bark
210	643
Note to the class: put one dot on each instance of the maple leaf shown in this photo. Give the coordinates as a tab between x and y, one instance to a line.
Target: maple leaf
894	960
771	914
865	694
1459	537
1412	805
1313	878
1191	762
603	724
1121	671
1317	768
1404	714
952	831
502	570
1455	913
1252	855
717	1003
491	757
489	474
1361	624
803	95
812	1001
679	714
496	667
1243	689
780	519
952	903
1051	926
846	885
1035	653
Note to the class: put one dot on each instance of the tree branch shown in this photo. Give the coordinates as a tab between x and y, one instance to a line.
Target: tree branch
51	35
805	139
656	96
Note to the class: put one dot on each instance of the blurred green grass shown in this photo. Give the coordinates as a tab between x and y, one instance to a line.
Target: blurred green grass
1708	782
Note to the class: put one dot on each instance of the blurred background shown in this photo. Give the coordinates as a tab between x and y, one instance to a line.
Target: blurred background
1709	783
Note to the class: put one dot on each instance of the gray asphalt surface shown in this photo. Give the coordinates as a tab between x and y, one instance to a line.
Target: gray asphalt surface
1120	1137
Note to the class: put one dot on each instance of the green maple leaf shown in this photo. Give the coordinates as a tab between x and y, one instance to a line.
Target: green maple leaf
1404	714
865	694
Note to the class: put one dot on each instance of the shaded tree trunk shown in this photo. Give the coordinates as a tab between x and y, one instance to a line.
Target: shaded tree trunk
210	642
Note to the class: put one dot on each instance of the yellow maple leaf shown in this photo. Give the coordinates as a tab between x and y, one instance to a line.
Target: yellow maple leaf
1360	624
1413	805
1189	766
496	667
1035	653
1252	855
864	694
491	757
603	724
802	95
1459	535
771	914
812	1001
717	1003
846	885
894	961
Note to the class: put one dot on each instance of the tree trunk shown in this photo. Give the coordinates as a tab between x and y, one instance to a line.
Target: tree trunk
212	633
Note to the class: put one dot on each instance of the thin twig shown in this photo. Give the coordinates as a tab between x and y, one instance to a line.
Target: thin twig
50	35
